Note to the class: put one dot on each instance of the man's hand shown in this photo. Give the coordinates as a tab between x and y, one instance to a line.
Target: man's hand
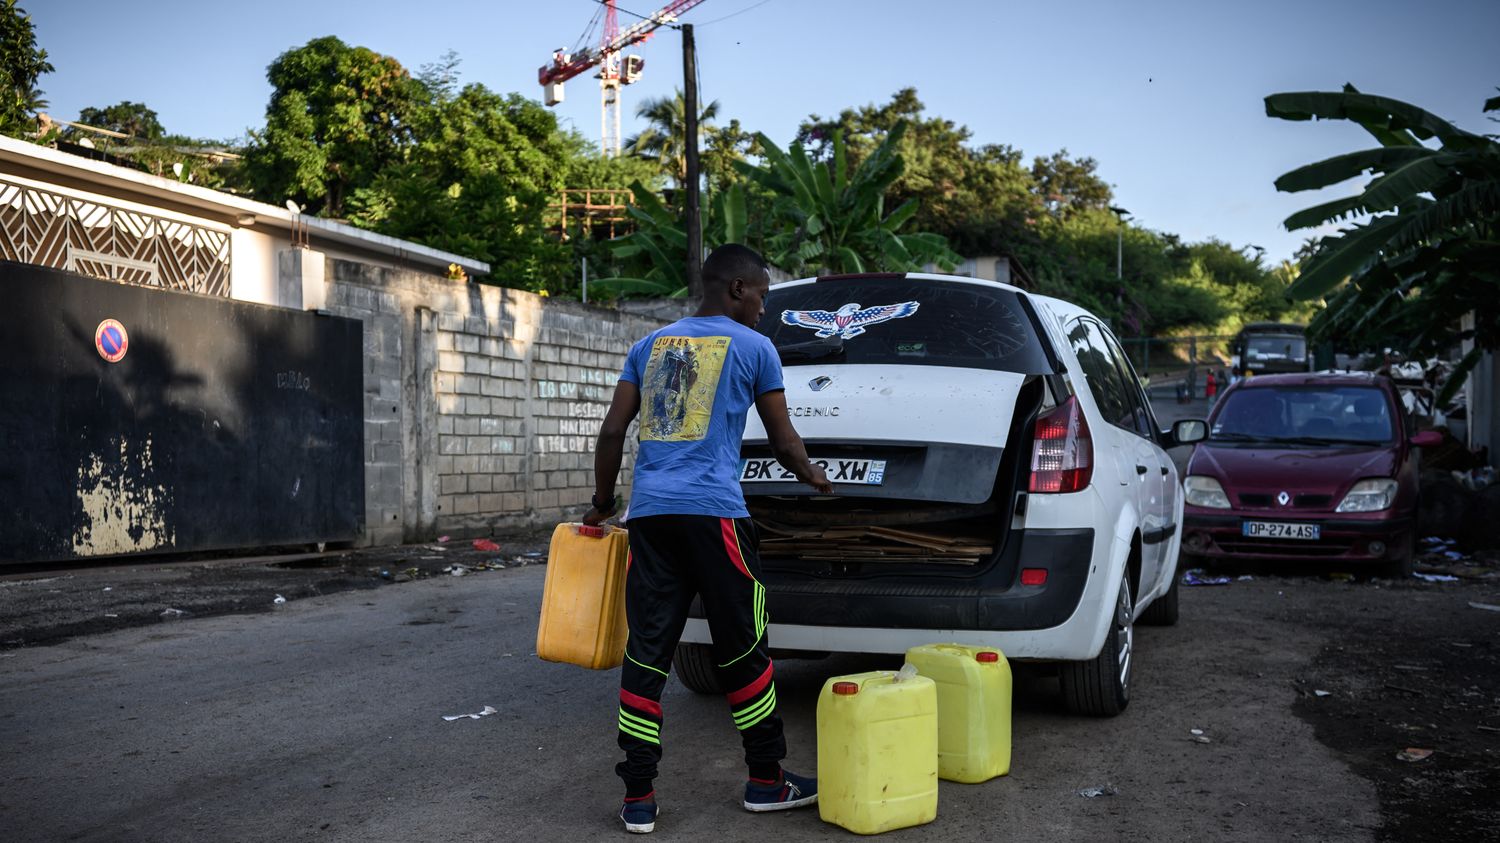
786	445
818	479
594	517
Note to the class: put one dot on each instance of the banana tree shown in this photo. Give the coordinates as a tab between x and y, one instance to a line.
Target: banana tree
1426	251
826	219
656	252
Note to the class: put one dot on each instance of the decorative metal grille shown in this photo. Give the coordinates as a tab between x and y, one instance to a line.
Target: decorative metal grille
50	229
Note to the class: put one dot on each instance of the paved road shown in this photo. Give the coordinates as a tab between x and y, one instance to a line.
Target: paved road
321	721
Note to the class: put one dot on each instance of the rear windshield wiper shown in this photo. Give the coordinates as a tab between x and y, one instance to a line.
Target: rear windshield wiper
803	352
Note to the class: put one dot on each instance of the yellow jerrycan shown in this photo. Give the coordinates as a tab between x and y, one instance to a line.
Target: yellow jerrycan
583	600
973	700
877	751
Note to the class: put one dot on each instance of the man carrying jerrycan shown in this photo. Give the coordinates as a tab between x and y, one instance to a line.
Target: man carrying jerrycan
692	383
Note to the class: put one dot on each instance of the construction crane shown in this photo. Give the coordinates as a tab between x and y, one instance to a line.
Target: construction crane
615	69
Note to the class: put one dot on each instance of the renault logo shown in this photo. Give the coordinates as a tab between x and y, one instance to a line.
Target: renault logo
818	383
1283	498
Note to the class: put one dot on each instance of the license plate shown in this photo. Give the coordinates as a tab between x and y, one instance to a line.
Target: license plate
855	472
1279	530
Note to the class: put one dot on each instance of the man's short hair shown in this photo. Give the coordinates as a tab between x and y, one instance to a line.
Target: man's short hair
731	261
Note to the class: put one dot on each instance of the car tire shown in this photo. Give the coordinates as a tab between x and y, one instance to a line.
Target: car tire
1163	610
1100	687
694	666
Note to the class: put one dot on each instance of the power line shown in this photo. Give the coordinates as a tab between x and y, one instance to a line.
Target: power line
736	14
635	14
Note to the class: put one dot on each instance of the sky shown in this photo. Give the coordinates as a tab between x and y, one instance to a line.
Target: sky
1166	96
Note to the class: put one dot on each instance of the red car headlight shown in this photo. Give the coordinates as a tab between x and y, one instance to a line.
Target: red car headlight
1205	492
1369	496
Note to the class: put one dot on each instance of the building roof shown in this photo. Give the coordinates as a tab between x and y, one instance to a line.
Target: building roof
111	180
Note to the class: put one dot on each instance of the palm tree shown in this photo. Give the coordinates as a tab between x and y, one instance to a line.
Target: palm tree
663	139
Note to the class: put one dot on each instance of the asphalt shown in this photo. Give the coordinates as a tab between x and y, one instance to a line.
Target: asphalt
322	719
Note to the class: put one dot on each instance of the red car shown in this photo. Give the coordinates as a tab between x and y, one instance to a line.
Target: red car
1306	467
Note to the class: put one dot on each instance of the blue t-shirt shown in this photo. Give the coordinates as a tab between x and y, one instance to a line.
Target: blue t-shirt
698	377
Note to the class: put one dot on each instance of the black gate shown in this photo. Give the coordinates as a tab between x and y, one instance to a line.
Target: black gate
137	420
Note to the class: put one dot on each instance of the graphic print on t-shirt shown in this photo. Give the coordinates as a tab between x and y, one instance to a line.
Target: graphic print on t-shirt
682	378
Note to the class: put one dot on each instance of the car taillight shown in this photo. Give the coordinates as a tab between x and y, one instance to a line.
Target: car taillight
1062	452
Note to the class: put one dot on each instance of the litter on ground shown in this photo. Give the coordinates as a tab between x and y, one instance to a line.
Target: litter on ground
1197	576
1488	607
1097	791
488	710
1412	753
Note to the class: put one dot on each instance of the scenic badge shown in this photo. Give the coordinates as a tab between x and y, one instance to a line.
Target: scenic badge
848	321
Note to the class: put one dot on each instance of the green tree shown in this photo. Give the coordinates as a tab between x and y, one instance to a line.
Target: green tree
663	141
1068	185
477	181
338	117
127	118
829	217
655	254
979	199
21	64
1428	251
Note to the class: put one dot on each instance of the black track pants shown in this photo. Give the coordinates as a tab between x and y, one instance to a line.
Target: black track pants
673	558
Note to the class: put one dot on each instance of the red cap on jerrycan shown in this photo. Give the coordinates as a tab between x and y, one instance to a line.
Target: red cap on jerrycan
845	688
591	532
987	657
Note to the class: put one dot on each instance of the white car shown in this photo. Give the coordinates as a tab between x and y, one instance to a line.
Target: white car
999	479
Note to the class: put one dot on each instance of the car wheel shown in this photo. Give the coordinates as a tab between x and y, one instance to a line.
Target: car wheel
694	665
1163	610
1100	687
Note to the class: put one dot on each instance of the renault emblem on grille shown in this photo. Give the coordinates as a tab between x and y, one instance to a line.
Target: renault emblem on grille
1283	498
818	383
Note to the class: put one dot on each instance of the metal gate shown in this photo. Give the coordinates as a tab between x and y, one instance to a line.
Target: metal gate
138	420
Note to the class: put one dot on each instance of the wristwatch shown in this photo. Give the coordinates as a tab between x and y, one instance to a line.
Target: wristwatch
607	506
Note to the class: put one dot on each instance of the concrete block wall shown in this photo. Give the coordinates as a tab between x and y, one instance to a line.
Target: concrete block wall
383	447
482	403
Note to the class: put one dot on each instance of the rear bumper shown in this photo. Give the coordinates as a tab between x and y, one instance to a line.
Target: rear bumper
888	609
1220	536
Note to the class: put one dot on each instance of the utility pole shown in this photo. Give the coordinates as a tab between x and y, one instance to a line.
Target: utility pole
690	204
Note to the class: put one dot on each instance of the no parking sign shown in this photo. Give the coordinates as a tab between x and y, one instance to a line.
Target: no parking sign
111	340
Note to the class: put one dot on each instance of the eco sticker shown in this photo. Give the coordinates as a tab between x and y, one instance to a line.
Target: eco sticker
111	340
848	321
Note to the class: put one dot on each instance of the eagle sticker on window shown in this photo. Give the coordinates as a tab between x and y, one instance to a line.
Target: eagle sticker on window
848	321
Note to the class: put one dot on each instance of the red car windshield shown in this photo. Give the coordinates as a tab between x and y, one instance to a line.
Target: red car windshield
1313	415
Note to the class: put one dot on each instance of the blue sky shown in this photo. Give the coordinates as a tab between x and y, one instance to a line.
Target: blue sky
1167	96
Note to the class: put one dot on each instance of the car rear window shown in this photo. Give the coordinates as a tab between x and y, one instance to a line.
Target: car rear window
1331	414
903	321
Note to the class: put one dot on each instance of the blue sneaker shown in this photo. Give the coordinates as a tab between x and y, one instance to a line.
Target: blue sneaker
792	791
639	815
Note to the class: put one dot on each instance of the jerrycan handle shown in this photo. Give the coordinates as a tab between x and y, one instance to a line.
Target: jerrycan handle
598	532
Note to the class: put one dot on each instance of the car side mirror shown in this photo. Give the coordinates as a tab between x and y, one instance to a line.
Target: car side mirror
1188	431
1427	439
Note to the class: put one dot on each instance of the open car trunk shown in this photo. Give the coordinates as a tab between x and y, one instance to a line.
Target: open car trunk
938	504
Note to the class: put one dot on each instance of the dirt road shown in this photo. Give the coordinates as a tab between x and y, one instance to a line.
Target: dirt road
321	719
